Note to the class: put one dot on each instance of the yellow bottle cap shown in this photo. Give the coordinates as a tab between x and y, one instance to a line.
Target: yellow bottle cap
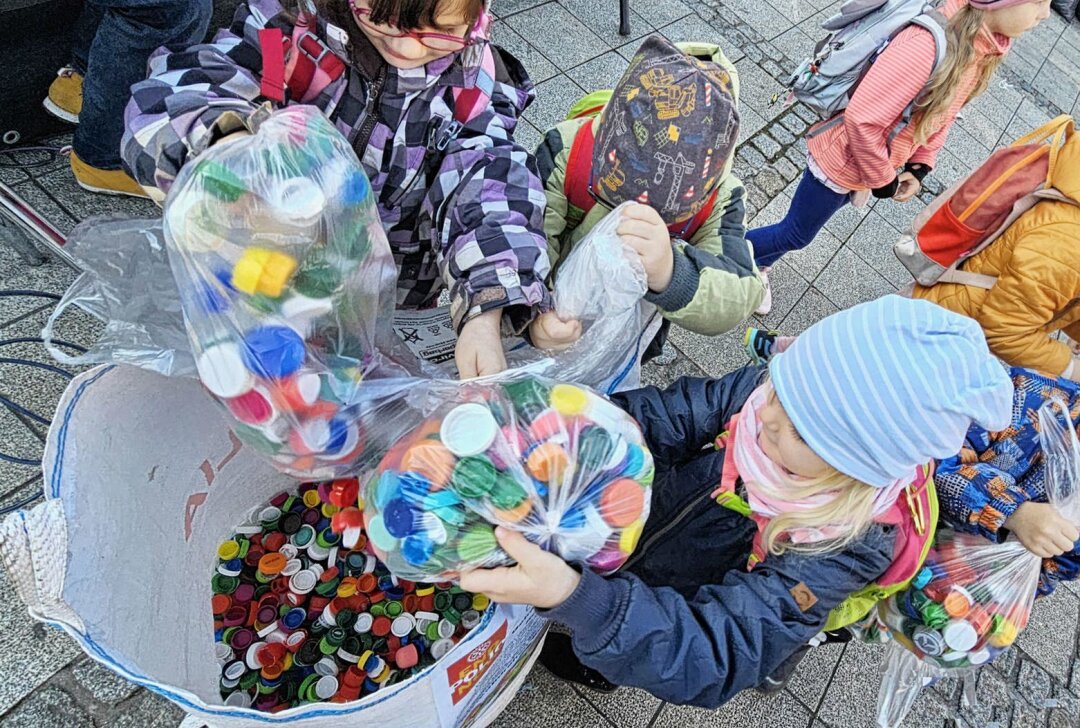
480	602
569	400
228	550
311	498
628	539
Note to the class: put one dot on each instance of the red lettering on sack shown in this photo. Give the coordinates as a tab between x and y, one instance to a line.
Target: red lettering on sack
193	502
464	674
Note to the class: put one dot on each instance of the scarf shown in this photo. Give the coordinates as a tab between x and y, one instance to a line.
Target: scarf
784	491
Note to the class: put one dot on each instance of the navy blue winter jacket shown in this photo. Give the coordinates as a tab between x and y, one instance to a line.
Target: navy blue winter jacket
684	620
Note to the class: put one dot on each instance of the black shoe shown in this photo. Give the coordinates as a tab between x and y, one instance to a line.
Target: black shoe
782	675
559	658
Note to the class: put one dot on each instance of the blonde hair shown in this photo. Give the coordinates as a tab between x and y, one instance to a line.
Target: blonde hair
851	511
962	30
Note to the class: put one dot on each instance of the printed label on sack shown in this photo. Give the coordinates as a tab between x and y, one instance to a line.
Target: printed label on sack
464	674
428	333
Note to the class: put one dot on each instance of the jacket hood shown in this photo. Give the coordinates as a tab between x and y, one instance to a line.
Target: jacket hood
1066	175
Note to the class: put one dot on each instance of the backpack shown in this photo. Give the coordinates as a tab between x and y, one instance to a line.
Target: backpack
858	34
914	515
973	213
301	66
578	185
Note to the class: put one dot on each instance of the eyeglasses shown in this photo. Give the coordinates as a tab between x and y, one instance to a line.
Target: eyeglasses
445	42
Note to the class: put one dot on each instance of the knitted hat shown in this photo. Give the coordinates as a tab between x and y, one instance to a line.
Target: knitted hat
667	133
882	388
996	4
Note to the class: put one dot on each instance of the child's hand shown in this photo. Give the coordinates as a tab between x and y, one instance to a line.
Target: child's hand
551	333
479	349
539	578
643	230
1042	530
909	187
233	137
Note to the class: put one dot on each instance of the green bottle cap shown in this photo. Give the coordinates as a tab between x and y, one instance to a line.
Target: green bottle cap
220	181
222	584
473	477
476	544
507	493
316	278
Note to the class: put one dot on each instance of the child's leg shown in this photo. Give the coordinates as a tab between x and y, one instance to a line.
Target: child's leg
811	208
559	658
762	345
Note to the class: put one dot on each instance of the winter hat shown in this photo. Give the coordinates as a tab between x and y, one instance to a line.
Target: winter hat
882	388
667	133
996	4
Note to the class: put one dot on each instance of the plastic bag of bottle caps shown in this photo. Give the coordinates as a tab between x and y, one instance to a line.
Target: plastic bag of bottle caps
284	274
972	597
303	616
557	462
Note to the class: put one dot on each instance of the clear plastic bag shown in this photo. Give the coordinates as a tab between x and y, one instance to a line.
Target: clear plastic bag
972	598
557	462
286	282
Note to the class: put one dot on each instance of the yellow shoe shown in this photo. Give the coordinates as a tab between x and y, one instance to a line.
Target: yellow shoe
105	181
65	96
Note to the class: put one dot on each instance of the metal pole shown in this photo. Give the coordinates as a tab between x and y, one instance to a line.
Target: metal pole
624	17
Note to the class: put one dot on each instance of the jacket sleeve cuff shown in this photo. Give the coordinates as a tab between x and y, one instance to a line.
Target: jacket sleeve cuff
685	279
518	310
992	517
593	612
886	191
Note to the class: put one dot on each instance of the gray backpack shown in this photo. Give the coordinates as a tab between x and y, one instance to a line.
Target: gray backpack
858	34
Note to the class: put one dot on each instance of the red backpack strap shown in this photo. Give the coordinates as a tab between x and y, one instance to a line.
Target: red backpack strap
579	169
687	230
272	44
310	67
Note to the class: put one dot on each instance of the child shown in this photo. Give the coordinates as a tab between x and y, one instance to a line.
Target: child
847	159
460	201
996	485
664	140
824	452
1037	265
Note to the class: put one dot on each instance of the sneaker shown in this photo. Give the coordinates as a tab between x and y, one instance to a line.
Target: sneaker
559	658
782	675
105	181
667	356
65	95
766	301
759	345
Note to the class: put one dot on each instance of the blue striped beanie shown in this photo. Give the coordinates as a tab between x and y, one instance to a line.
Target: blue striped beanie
882	388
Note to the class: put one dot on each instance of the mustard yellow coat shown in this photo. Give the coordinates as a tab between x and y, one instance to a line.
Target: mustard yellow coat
1037	262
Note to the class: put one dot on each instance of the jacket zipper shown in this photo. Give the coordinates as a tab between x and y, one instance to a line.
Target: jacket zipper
433	145
640	552
371	117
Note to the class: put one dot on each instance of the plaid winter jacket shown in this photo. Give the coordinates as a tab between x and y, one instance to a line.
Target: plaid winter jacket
997	471
469	217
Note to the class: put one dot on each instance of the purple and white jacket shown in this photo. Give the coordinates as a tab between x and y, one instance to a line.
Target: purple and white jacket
470	218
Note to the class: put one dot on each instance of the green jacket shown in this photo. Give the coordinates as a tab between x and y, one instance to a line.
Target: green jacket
715	284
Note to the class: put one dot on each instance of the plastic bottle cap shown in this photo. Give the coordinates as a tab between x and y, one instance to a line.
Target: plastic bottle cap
326	667
569	400
262	271
622	502
252	407
221	370
960	636
402	625
477	543
272	564
440	647
431	459
979	657
300	312
468	429
298	201
235	670
238	700
630	535
446	629
302	582
1004	633
480	602
326	687
407	657
958	602
548	462
470	618
228	550
273	352
473	477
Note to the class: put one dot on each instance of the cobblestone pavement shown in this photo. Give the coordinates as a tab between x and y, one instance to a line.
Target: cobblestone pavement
570	46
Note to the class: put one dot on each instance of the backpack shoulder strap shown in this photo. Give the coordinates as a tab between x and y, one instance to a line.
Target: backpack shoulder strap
470	102
297	68
578	175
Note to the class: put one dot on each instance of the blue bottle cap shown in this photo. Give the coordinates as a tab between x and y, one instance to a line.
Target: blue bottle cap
339	435
400	518
210	298
573	518
273	352
414	487
923	578
376	530
386	489
355	188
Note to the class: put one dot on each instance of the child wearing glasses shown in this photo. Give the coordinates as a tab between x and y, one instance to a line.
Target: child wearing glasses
430	107
665	140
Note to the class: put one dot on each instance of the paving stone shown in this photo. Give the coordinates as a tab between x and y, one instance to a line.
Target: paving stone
967	148
601	72
793	123
767	146
81	204
528	136
985	119
509	7
1053	623
715	355
809	682
46	708
795	45
787	170
147	710
993	701
1025	716
603	20
781	135
851	699
811	260
30	653
773	212
663	376
691	28
873	241
761	16
1006	662
554	98
753	158
539	67
899	214
547	702
757	89
948	169
1074	682
1028	118
844	222
795	10
659	14
1066	714
770	181
626	707
750	123
562	36
847	280
1054	82
105	685
1033	682
927	712
11	175
748	708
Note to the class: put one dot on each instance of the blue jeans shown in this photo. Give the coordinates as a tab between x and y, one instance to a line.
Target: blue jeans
113	41
811	208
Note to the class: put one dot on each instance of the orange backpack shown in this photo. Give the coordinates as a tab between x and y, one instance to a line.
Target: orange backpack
974	212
